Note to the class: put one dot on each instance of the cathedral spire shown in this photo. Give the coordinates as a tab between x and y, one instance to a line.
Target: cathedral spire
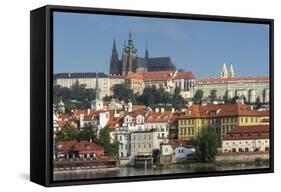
114	46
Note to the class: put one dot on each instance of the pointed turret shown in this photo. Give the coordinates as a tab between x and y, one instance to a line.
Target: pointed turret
114	61
231	72
224	73
97	88
114	46
146	51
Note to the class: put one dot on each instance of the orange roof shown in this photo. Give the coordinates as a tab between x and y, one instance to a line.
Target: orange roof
225	80
248	132
165	116
78	146
221	110
138	76
184	75
113	121
159	75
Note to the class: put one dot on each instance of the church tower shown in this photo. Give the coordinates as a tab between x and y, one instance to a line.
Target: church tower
97	104
129	57
231	72
224	73
114	63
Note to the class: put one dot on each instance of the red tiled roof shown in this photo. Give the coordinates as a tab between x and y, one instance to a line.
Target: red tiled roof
135	76
159	75
248	132
225	80
222	110
78	146
184	75
113	121
159	116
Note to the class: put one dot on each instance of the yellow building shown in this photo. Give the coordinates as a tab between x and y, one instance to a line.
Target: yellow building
221	117
135	82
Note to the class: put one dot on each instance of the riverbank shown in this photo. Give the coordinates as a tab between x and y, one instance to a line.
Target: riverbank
258	162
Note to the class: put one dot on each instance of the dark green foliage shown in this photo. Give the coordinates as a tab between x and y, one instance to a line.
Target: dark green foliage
87	133
213	95
198	96
122	92
67	133
206	145
75	97
110	149
258	103
177	100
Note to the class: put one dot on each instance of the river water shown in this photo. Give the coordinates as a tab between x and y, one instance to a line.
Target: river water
131	171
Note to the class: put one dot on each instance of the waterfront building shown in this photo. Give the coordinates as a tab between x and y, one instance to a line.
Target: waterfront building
221	117
75	149
247	139
144	143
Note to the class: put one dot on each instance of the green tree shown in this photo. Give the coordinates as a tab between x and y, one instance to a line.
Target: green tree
206	145
122	92
178	101
258	103
104	137
198	96
68	132
213	95
234	99
112	149
87	133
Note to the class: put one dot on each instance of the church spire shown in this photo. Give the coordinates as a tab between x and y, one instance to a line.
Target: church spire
97	87
224	73
231	71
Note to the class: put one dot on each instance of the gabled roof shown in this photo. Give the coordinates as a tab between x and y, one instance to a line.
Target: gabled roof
78	146
154	117
248	133
222	110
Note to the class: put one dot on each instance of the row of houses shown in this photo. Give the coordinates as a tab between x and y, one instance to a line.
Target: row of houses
142	131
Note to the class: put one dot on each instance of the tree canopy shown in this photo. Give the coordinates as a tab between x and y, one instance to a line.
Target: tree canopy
67	133
206	145
197	98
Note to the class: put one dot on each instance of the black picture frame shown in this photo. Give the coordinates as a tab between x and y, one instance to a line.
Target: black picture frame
41	81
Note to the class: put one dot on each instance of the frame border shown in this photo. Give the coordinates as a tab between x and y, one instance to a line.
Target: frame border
47	158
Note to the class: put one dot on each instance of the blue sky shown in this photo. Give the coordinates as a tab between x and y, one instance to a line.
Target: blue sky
83	43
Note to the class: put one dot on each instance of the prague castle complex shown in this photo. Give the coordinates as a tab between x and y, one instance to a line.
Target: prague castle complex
139	72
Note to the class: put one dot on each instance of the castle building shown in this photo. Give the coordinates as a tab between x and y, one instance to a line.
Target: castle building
130	61
228	85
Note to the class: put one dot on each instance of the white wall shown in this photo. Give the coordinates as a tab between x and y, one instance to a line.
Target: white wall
14	43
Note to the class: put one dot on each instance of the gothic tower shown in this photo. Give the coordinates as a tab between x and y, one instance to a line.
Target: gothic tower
114	63
129	57
224	73
231	72
97	104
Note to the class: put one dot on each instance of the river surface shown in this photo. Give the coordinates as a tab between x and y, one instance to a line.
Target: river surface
132	171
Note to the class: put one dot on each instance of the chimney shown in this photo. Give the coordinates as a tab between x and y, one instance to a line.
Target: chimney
156	110
173	110
88	111
162	110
